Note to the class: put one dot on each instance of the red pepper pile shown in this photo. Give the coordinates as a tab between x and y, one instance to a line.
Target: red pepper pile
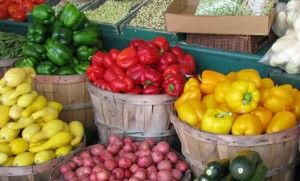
144	67
17	9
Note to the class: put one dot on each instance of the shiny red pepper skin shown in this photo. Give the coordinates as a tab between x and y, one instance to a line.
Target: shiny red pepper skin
114	53
102	84
188	61
135	43
121	85
174	85
135	90
108	61
95	72
150	90
97	58
151	77
166	60
171	70
148	55
135	73
176	50
161	43
114	72
127	58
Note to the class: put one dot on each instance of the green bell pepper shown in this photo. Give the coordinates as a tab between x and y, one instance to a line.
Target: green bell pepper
43	13
62	35
26	62
45	68
58	53
85	53
74	61
86	36
65	70
34	50
36	33
81	67
72	17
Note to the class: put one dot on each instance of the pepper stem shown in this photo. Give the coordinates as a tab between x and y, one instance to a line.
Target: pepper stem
247	97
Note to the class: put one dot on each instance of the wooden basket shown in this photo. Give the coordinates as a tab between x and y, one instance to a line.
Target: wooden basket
279	151
138	116
71	91
238	43
57	176
5	65
40	172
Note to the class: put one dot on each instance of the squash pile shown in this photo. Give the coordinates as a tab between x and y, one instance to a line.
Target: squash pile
30	131
239	103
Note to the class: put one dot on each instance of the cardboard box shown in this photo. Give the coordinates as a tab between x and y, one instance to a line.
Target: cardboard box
180	17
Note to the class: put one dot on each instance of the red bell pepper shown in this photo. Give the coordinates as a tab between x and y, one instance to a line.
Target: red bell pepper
151	89
121	85
135	43
95	72
189	61
174	85
176	50
127	58
102	84
166	60
108	61
135	73
114	53
97	58
135	90
148	55
173	69
161	43
114	72
151	77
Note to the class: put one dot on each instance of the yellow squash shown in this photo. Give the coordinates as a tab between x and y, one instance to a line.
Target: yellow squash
77	130
49	129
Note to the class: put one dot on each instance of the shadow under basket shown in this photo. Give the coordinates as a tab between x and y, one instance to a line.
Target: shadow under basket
238	43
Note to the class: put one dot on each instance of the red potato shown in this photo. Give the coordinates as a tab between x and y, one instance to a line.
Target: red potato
141	174
164	165
127	173
172	157
181	165
127	139
157	156
78	160
150	141
64	168
144	145
103	175
120	144
113	139
151	168
110	164
128	147
164	175
72	165
69	175
131	156
83	171
133	168
93	177
84	178
177	174
152	176
134	179
124	163
163	147
113	148
144	161
97	149
88	162
118	173
97	168
144	152
85	153
106	154
121	152
97	159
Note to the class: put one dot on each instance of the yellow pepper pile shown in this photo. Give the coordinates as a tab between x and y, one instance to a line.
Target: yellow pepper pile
239	103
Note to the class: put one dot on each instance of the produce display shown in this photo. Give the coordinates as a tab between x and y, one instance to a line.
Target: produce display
30	131
124	159
245	165
11	45
239	103
67	49
144	67
77	3
111	11
16	10
151	15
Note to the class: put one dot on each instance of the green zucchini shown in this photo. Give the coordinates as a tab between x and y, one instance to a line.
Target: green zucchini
259	173
243	165
204	177
215	170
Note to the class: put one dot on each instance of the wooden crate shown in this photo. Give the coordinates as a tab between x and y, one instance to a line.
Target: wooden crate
279	151
138	116
71	91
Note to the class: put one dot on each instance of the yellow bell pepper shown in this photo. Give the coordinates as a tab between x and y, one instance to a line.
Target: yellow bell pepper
296	105
264	93
225	108
267	83
209	101
242	96
209	80
221	89
217	121
249	75
191	93
231	76
264	114
247	124
191	111
282	120
278	99
192	82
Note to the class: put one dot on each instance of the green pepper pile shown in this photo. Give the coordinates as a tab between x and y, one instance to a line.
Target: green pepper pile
59	45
